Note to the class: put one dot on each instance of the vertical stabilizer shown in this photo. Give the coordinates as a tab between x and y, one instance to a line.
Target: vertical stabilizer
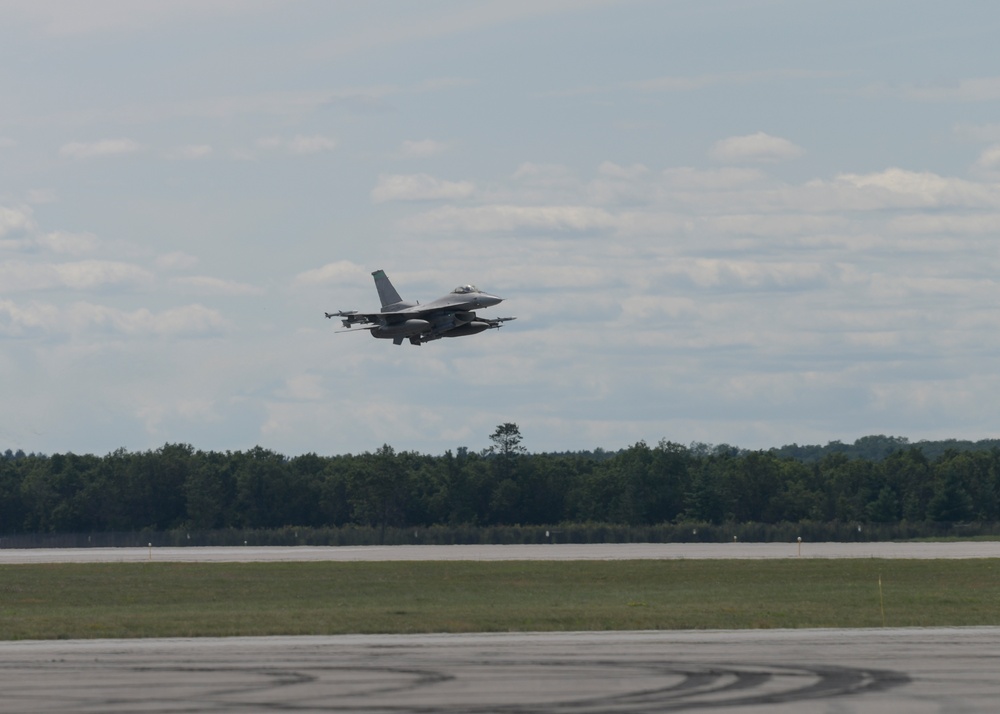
386	293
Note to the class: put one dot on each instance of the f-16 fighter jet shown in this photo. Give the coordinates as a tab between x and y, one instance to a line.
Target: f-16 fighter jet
449	316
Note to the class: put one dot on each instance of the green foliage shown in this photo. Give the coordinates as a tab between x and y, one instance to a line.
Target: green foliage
878	447
178	488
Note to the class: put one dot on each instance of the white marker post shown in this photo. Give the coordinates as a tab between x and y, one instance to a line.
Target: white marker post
800	546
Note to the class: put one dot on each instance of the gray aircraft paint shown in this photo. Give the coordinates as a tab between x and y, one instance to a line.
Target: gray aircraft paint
452	315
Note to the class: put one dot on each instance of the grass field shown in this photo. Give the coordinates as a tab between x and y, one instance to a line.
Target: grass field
193	599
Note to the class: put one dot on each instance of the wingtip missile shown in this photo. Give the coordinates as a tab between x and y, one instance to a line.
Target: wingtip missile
340	313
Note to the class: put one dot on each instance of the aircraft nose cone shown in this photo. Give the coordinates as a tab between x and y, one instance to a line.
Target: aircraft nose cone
490	300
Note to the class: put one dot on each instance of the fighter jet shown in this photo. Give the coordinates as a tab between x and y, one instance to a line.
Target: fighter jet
448	316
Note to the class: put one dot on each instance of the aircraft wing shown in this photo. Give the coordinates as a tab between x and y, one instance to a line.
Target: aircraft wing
353	317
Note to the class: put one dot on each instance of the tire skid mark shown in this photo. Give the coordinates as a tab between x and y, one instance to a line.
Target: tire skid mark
477	686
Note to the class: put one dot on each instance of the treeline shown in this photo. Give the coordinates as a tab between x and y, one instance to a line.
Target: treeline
878	447
670	486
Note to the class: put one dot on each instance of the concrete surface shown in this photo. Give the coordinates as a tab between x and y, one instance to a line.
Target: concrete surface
598	551
774	671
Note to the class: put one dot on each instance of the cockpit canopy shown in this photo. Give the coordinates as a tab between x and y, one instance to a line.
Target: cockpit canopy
465	290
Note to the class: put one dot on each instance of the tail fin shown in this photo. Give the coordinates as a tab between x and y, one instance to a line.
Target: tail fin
386	293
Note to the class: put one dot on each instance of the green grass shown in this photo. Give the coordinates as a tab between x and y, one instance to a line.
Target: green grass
188	600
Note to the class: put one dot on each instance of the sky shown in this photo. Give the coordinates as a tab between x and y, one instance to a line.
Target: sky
753	223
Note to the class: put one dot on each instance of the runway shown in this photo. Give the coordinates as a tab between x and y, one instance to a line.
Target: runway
593	551
773	671
874	671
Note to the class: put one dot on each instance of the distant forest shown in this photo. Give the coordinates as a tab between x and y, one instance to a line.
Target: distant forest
879	486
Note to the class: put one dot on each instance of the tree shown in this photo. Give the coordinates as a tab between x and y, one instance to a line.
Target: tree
885	508
209	491
706	501
950	502
378	484
505	490
260	488
507	441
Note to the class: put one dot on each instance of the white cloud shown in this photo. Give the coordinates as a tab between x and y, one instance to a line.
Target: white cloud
21	222
980	89
158	413
899	187
17	320
506	218
419	187
189	320
990	158
207	285
331	273
69	243
177	260
537	183
311	144
620	185
271	142
642	224
961	228
725	178
105	147
190	152
300	145
989	133
629	173
91	274
773	225
82	317
755	275
84	275
703	81
544	174
15	220
303	388
755	147
422	149
186	321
